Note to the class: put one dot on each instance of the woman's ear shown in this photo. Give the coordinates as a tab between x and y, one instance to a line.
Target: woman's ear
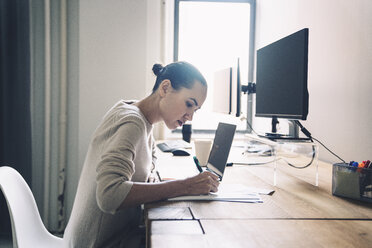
165	87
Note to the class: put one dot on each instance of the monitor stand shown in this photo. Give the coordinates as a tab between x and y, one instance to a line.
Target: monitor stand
274	123
293	131
274	134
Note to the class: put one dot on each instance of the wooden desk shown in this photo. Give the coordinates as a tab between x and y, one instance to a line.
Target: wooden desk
298	214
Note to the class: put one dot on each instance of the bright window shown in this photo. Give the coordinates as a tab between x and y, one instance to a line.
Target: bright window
213	35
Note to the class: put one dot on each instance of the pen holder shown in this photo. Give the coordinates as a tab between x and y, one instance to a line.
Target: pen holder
352	182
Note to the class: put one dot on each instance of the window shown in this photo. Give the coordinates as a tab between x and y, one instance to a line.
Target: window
213	35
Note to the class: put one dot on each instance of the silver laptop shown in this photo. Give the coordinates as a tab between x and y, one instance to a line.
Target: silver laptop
216	161
221	148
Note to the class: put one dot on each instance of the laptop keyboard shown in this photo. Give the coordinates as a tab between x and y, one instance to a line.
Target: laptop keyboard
170	145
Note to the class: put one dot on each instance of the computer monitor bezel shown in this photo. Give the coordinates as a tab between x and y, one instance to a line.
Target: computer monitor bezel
300	38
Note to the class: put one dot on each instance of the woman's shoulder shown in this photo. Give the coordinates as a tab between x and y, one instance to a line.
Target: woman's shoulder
125	111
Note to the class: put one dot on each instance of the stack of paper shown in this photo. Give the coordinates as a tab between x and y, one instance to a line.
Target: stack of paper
228	192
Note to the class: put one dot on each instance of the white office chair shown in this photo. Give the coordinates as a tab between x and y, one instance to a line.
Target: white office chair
27	227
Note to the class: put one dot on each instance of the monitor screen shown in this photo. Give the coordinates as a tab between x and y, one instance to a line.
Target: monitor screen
281	79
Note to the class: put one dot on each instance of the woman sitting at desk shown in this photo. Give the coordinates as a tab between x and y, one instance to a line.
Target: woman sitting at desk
120	159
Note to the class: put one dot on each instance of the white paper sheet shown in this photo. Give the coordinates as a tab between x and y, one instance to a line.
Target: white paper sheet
228	192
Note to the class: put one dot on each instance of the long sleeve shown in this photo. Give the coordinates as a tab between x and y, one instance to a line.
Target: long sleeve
154	158
116	168
119	154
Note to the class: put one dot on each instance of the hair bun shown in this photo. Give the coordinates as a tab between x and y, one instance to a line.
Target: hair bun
157	68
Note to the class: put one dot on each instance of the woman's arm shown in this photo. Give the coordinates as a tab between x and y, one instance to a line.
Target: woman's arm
149	192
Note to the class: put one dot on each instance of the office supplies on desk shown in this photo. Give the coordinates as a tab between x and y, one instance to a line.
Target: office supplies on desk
180	152
258	148
366	163
226	192
200	169
352	182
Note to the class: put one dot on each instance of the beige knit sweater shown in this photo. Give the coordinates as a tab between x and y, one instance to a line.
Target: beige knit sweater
121	152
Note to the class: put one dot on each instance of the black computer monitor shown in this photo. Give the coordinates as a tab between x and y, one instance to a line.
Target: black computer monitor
281	78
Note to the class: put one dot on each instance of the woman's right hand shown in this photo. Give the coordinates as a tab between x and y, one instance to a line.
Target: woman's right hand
203	183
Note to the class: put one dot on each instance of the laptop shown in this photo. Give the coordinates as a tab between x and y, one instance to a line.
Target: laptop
216	161
220	149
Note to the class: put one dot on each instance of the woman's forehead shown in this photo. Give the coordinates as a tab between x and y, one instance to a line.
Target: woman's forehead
197	93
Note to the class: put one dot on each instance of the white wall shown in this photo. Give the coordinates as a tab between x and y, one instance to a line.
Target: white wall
340	62
112	59
119	41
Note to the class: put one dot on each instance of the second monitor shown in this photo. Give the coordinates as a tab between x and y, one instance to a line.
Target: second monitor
281	80
227	91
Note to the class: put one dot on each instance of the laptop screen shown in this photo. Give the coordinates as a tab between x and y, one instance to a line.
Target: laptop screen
221	148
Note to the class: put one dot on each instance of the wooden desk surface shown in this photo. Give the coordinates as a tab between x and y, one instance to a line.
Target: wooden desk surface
298	214
262	233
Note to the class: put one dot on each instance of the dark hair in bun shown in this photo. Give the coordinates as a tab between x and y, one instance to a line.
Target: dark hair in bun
157	69
180	74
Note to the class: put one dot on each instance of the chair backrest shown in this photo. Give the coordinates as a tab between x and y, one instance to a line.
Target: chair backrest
27	226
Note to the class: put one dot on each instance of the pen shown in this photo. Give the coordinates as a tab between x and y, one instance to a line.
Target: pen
360	166
355	166
367	164
197	164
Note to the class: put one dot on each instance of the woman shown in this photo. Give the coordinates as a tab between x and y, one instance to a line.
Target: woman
114	179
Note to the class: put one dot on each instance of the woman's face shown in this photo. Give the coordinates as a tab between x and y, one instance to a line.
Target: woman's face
177	107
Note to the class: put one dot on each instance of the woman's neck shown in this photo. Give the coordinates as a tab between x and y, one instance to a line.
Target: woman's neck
149	107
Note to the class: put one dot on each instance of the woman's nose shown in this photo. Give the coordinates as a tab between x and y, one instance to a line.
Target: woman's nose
189	116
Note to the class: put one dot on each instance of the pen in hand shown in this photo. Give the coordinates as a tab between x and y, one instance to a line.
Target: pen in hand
198	164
